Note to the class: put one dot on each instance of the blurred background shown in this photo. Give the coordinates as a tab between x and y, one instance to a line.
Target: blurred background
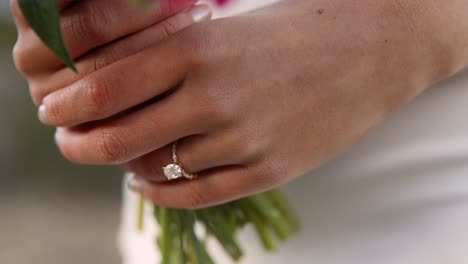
50	210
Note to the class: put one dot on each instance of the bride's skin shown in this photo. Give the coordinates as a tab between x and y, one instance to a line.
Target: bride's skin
257	100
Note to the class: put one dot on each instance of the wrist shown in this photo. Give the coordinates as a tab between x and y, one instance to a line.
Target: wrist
440	27
431	32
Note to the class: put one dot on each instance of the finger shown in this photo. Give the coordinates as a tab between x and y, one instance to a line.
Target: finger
197	154
113	89
226	147
118	50
212	188
116	88
19	18
132	135
90	24
151	165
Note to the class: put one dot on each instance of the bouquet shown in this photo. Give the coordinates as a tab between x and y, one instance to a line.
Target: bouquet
269	212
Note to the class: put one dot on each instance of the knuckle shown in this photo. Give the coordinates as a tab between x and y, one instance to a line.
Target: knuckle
98	63
198	43
110	147
103	60
22	58
270	173
258	179
98	96
167	28
82	25
254	141
246	146
194	197
55	113
215	106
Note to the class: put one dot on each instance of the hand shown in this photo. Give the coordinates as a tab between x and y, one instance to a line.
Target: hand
92	31
253	101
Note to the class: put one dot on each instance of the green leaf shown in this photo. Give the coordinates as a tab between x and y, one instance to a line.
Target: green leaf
44	18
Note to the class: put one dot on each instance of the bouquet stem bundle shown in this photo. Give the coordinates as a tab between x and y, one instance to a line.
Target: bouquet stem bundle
179	243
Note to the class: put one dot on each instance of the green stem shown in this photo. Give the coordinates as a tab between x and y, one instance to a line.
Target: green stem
197	251
281	202
166	236
141	214
271	214
260	227
178	253
223	228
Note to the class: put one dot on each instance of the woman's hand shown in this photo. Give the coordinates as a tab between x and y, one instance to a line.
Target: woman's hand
254	101
92	31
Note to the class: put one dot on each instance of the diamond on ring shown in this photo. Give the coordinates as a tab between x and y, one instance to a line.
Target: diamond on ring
173	171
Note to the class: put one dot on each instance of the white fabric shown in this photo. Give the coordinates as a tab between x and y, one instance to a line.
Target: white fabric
400	196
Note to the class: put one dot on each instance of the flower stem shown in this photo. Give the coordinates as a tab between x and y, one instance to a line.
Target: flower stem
271	215
280	201
141	214
261	229
166	236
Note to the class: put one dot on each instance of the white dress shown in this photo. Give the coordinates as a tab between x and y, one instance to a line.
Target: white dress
400	196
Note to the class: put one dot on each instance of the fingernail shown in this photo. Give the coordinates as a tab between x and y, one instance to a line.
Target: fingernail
139	185
200	13
42	114
58	134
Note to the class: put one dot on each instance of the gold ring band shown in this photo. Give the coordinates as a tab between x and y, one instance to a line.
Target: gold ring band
175	170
